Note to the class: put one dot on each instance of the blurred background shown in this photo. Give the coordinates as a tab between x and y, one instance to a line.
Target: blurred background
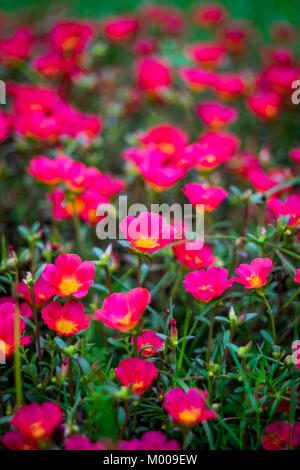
261	12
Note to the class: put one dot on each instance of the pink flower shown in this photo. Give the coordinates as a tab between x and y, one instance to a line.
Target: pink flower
209	15
295	155
150	440
265	104
206	285
147	232
67	319
69	276
123	311
153	74
209	196
149	338
228	86
136	373
17	47
280	436
71	37
37	422
82	443
16	441
291	208
297	275
255	274
42	291
7	315
216	115
120	28
206	54
197	79
188	408
194	254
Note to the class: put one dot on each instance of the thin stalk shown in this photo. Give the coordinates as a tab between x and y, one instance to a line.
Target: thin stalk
17	342
139	271
272	320
291	299
108	279
37	330
210	333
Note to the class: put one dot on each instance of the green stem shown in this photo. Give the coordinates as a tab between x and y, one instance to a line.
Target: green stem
291	299
210	333
272	320
108	279
17	342
139	271
37	330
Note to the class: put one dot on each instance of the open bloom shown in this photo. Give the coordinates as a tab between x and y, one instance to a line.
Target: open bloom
69	276
228	86
137	373
212	149
206	285
42	291
194	254
295	155
16	441
216	115
153	74
280	436
255	274
297	276
123	311
37	422
209	196
197	79
188	408
209	15
67	319
7	315
69	37
16	48
291	207
206	54
166	137
120	28
149	338
150	440
82	443
265	104
147	232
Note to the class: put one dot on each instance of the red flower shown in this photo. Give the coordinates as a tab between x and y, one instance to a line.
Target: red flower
188	408
69	276
209	196
295	155
147	232
206	285
210	15
137	373
16	441
255	274
206	54
17	47
120	28
37	422
291	207
149	338
229	85
71	37
265	104
82	443
297	275
197	79
151	440
212	149
166	137
153	74
281	436
194	254
67	319
235	38
41	290
216	115
123	311
7	315
4	126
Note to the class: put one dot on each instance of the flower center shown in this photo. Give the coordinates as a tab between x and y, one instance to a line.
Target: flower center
254	280
206	287
146	243
69	286
69	43
189	416
37	430
166	147
270	110
65	327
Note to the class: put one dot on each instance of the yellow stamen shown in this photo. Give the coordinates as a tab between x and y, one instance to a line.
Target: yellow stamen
69	286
